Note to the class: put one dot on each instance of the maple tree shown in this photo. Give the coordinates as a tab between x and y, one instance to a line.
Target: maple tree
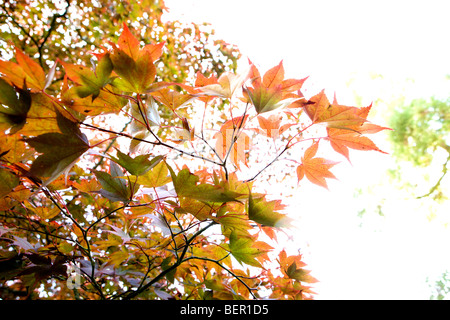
163	207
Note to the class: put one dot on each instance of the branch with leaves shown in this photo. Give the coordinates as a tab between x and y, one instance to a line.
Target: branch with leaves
167	216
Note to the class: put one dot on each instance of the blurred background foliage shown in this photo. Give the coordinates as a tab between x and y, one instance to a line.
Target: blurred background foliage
63	29
416	181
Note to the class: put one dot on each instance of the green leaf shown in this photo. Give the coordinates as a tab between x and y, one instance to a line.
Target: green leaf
157	177
14	106
299	274
232	222
114	188
184	181
211	193
265	99
262	211
8	182
135	75
185	184
90	82
59	151
136	166
7	94
241	248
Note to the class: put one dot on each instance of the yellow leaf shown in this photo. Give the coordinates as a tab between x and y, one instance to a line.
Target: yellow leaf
157	177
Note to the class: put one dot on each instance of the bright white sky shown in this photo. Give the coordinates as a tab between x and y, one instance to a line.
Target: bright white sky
333	42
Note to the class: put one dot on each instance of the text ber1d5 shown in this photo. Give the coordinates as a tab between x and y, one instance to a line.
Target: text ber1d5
241	309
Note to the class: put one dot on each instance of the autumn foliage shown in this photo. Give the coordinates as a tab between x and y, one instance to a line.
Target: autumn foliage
119	185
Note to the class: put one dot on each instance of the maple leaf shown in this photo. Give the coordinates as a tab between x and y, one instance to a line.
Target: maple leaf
87	186
13	108
341	139
135	66
272	91
319	110
233	222
107	101
226	86
369	128
90	82
270	127
135	76
316	170
185	184
26	70
300	274
114	188
119	232
59	150
285	261
136	166
24	244
263	212
171	98
291	266
130	45
43	267
202	81
156	177
9	181
246	250
43	212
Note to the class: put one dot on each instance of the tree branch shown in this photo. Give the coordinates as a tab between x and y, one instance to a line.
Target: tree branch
438	183
179	261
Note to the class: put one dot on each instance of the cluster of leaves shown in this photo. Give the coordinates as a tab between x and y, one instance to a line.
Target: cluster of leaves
146	223
48	29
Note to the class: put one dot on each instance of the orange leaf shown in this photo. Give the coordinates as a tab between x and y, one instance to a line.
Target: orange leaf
320	110
316	170
154	50
25	70
273	92
135	66
254	74
285	261
171	98
341	140
271	127
87	186
274	76
202	81
32	69
129	43
368	128
291	85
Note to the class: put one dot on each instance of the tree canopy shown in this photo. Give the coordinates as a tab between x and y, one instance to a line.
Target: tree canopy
126	158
